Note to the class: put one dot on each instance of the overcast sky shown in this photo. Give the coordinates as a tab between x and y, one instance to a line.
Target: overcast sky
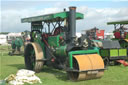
96	13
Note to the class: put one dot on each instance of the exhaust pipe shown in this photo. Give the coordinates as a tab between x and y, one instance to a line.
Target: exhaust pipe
72	22
71	31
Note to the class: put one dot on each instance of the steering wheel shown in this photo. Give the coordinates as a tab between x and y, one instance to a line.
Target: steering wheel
58	30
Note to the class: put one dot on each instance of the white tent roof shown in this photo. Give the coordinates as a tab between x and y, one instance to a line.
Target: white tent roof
14	34
2	36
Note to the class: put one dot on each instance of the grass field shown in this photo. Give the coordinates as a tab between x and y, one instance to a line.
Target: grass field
115	75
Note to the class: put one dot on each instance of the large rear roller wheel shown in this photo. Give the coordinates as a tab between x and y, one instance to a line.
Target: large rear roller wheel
33	57
83	63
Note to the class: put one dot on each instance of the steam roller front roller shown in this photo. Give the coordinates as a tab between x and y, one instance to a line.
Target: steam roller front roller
86	67
33	57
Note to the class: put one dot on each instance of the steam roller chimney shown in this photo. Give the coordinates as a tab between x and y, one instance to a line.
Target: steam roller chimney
72	22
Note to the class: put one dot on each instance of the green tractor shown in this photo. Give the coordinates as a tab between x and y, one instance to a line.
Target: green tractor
121	35
110	50
16	46
18	43
120	32
54	44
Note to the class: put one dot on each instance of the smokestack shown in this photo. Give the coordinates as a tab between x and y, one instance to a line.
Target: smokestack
64	9
72	22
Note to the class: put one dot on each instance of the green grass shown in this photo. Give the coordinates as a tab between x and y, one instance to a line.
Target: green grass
115	75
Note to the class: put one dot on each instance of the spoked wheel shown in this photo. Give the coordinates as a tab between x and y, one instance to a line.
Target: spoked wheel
33	57
106	61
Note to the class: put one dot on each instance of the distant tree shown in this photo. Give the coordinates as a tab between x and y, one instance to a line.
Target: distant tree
4	32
